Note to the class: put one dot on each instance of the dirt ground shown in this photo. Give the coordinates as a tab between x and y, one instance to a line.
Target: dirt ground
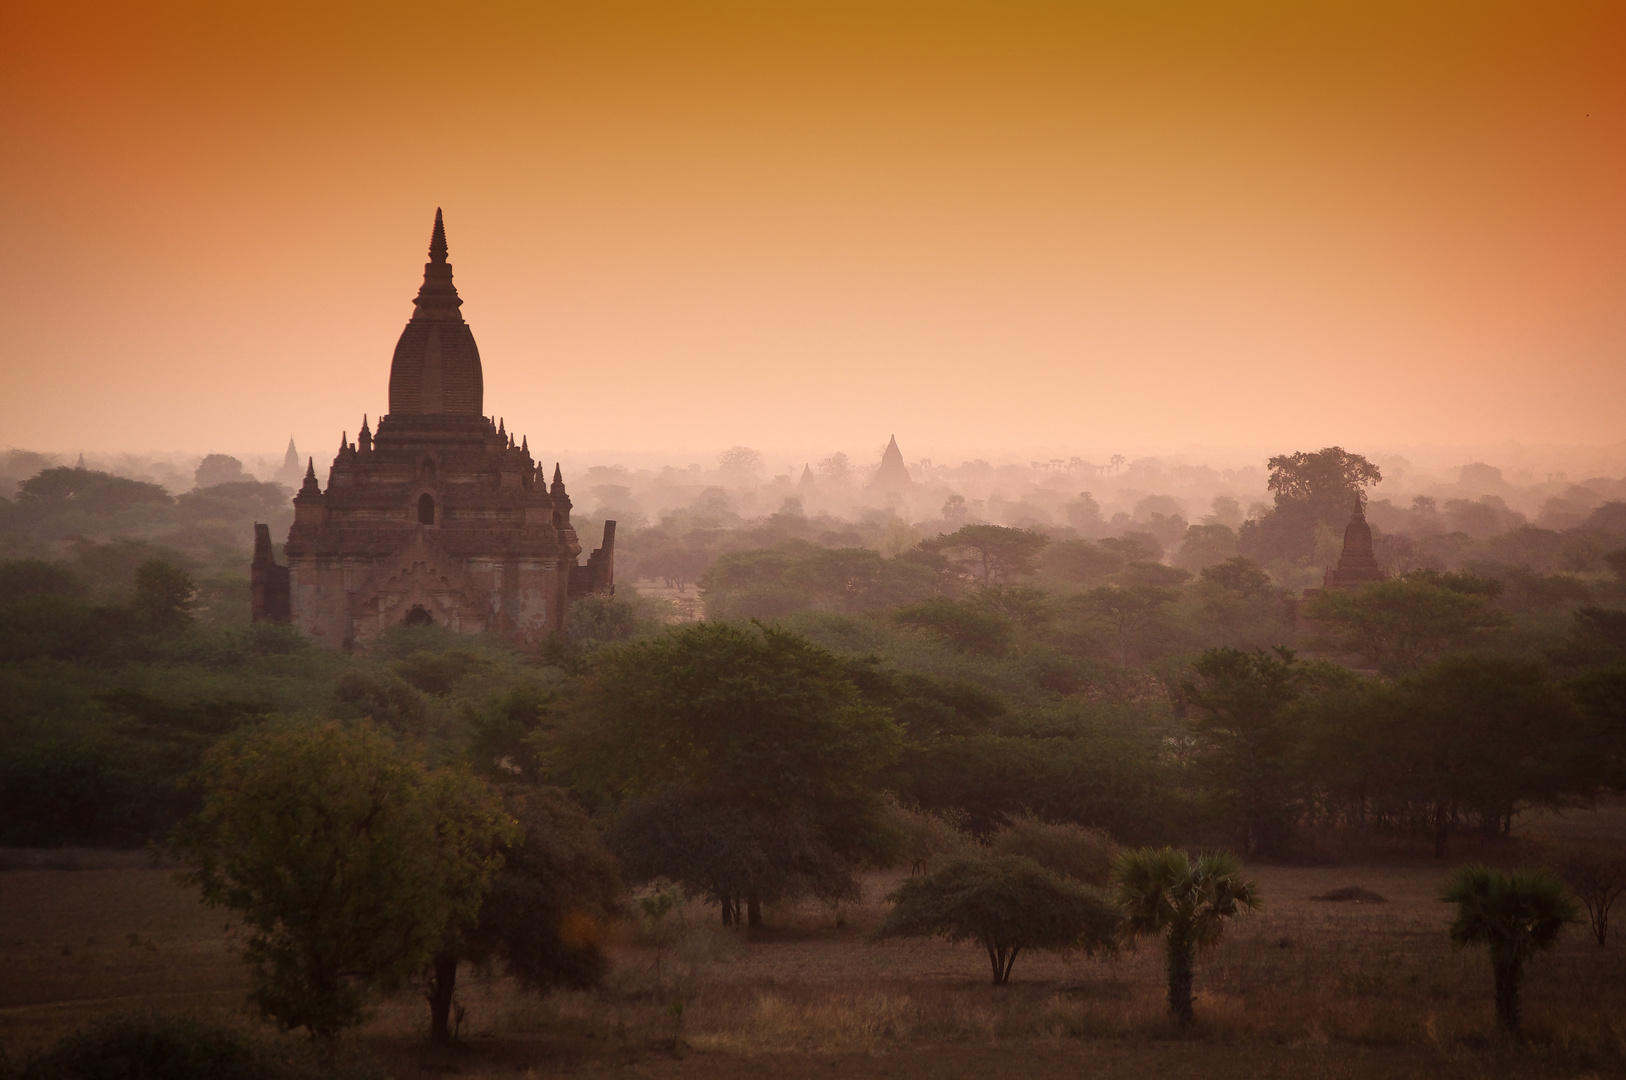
1303	988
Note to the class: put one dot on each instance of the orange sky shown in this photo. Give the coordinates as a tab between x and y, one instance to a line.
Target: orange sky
997	225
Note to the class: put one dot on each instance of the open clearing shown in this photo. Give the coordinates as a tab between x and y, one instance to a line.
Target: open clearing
1304	988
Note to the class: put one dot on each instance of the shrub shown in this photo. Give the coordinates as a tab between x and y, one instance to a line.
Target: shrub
1064	847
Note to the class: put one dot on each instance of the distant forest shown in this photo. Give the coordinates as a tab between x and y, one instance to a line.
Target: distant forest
1128	646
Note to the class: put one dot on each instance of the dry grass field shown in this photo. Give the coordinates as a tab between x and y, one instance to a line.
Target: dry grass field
1306	988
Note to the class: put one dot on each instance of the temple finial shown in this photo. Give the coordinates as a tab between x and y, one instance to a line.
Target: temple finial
558	477
310	468
437	240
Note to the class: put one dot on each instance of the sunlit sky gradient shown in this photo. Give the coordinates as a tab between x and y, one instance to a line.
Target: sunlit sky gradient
795	225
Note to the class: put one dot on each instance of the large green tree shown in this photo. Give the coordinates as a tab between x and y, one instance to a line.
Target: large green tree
740	758
1484	735
346	858
1251	738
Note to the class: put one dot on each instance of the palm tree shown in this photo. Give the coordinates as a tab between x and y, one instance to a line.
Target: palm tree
1164	892
1514	915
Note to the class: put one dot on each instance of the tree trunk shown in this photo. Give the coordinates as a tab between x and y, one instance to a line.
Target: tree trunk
753	910
1507	996
1180	978
728	911
441	985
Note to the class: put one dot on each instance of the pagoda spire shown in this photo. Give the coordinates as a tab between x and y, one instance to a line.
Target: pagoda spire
437	240
436	367
310	487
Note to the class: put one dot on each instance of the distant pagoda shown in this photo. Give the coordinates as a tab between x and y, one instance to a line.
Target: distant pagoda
1357	565
893	474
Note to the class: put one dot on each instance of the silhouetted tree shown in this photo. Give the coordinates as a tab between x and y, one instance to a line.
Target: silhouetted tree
219	469
1313	490
967	626
725	743
1485	735
992	552
1327	481
1514	916
1596	874
1126	609
1007	904
93	492
1187	902
1251	737
546	913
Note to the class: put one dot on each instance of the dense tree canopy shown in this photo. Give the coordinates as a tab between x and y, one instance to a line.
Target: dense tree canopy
990	553
1403	623
346	858
1327	481
754	731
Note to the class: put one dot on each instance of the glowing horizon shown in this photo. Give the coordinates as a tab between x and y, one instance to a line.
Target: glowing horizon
971	226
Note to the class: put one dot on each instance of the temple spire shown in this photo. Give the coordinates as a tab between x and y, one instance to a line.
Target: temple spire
309	488
436	367
437	240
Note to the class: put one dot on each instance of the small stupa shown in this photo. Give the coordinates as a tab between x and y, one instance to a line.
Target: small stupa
893	474
1357	565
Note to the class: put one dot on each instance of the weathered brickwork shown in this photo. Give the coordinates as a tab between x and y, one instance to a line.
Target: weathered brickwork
439	517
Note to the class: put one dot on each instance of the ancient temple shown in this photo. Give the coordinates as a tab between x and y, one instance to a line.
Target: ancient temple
893	474
437	517
1357	565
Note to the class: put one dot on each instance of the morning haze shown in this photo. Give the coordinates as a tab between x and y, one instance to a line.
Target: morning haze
708	541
